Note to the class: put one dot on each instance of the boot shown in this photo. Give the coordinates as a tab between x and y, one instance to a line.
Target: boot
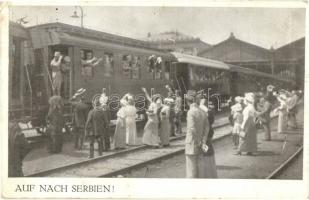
100	146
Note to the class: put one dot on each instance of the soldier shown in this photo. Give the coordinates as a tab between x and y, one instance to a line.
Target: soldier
196	138
80	111
18	149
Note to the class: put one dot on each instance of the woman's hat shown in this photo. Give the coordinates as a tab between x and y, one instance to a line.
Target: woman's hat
67	59
283	96
79	92
249	97
123	102
270	88
239	99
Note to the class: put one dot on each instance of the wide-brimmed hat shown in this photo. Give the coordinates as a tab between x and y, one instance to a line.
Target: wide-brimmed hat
123	102
79	92
155	97
239	99
283	96
67	59
249	97
103	99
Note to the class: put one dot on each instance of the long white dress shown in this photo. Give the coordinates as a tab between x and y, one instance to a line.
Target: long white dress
151	132
130	113
282	117
249	142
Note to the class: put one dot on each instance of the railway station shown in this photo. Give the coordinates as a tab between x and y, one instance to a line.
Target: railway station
88	103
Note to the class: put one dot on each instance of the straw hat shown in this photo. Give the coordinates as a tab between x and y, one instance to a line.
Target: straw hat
79	92
156	97
169	100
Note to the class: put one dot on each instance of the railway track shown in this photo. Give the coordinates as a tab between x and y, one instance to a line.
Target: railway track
281	168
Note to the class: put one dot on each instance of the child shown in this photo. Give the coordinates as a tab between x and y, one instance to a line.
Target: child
237	118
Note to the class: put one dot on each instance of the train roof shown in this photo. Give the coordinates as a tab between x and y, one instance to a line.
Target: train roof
196	60
60	33
17	30
201	61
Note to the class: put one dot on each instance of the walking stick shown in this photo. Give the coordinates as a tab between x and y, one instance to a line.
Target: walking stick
284	144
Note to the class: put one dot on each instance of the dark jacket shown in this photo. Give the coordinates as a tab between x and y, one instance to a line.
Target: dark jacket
264	114
211	119
97	123
80	111
56	122
18	149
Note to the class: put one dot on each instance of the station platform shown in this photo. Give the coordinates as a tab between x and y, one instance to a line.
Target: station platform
39	160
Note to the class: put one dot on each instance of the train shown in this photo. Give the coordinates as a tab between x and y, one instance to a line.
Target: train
126	65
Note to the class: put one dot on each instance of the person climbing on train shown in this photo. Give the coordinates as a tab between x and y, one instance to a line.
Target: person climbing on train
18	149
89	63
57	77
96	127
282	113
151	129
79	117
55	122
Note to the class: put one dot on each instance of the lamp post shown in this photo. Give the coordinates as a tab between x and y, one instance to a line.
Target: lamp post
81	16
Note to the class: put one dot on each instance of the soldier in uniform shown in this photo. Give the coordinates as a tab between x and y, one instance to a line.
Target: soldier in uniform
80	111
18	149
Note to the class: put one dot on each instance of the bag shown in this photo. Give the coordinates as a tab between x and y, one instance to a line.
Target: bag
204	149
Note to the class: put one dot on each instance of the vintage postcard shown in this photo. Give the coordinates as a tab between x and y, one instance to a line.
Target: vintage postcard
154	100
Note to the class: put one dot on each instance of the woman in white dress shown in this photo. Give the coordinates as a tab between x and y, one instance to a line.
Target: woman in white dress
282	113
119	139
151	129
248	140
164	129
130	113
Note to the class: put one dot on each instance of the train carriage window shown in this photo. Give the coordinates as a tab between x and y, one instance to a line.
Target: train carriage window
108	64
136	65
126	65
88	62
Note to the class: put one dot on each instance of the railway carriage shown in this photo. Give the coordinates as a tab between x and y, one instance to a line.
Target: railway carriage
126	66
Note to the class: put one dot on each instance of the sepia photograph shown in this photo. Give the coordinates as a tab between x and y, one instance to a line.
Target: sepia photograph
155	92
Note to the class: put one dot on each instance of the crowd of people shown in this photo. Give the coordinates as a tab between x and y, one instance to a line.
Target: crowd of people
164	120
253	111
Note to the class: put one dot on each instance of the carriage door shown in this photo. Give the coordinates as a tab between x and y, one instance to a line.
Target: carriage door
67	53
